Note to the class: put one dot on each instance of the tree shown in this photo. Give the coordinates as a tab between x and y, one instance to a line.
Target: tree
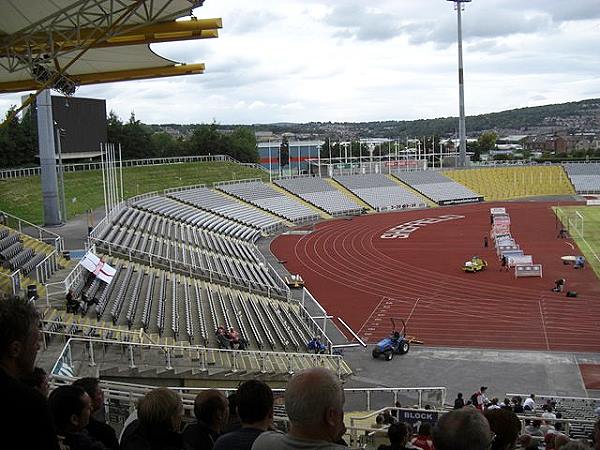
242	145
487	141
205	140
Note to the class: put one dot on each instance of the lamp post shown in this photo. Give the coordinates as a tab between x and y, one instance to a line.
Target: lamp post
462	134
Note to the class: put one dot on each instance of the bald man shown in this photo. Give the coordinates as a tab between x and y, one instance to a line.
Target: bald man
314	401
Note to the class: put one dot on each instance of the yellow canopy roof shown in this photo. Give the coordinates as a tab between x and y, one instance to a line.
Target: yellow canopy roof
64	43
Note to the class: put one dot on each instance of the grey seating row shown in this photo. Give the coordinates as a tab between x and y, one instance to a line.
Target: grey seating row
213	265
269	199
321	194
187	309
173	209
216	202
154	224
380	192
585	177
438	187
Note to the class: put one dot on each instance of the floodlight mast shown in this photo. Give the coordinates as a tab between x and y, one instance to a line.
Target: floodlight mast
462	133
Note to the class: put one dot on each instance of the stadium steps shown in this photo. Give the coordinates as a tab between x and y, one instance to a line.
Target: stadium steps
425	199
299	199
5	285
349	194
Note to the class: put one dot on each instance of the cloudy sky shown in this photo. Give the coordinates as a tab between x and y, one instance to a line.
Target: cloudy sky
350	60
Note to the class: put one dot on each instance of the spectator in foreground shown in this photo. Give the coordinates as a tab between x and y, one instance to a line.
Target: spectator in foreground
462	429
255	408
157	427
506	427
534	428
314	401
211	409
23	409
233	421
71	408
38	380
97	430
423	440
398	434
459	402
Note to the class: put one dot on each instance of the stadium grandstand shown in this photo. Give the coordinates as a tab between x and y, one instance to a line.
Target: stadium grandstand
502	183
585	177
178	298
380	192
438	187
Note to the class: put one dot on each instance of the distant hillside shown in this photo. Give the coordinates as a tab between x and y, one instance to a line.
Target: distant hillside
567	117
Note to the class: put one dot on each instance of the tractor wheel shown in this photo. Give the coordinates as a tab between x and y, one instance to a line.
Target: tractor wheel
375	353
404	347
388	355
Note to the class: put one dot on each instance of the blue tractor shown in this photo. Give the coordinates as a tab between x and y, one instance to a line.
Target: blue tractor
396	343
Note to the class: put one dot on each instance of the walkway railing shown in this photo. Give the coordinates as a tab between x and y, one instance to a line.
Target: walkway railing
199	358
29	229
13	280
79	167
45	268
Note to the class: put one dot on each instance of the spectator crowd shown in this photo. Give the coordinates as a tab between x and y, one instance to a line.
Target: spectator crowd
71	416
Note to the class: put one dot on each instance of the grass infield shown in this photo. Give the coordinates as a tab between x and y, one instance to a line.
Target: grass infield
586	232
22	197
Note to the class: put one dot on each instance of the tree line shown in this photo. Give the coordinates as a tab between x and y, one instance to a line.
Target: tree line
19	142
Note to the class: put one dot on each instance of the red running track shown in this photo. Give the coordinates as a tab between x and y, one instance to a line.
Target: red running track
364	279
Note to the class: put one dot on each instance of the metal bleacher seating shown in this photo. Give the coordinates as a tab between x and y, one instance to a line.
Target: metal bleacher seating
438	187
182	308
155	239
216	202
191	215
380	192
321	194
585	177
266	197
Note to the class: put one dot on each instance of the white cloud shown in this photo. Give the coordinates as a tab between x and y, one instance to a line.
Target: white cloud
349	60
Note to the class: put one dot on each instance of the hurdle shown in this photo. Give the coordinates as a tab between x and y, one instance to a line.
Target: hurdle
528	270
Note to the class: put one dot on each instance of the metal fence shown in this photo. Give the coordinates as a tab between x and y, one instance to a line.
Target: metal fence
97	165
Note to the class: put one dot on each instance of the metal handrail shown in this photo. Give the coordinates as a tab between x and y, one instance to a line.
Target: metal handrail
56	239
168	349
76	167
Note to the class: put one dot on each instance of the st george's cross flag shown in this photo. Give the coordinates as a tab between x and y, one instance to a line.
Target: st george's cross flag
98	267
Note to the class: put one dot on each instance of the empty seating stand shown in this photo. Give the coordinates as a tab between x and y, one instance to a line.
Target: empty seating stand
438	187
585	177
222	205
380	192
269	199
184	248
318	192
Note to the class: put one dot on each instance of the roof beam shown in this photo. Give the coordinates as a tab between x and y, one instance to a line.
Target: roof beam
111	77
154	33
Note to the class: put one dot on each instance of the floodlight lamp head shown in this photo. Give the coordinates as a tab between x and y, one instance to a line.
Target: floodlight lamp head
459	1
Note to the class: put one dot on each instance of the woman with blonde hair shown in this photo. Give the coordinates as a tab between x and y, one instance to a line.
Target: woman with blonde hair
158	424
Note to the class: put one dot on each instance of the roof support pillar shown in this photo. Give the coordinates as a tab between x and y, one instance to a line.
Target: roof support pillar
45	124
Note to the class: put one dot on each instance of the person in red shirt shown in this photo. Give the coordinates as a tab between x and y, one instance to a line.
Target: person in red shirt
424	440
